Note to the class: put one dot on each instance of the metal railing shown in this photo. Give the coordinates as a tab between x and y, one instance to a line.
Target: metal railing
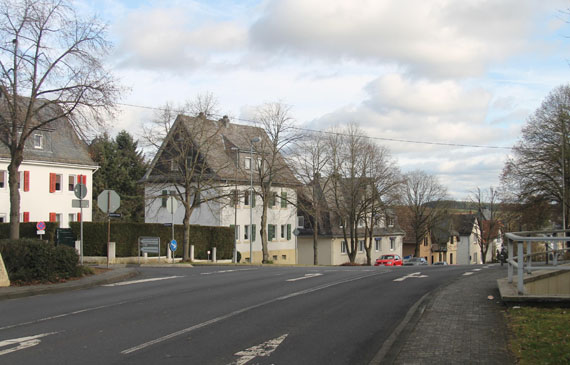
527	238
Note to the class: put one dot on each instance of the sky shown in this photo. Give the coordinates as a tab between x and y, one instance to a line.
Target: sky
429	80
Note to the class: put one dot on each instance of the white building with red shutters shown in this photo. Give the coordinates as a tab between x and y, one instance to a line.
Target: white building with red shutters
55	159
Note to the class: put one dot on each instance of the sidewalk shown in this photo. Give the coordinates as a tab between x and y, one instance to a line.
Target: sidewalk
457	324
108	277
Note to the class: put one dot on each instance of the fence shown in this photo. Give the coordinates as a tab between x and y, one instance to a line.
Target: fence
527	238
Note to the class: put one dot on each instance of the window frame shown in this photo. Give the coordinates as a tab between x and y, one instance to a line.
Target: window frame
343	248
3	179
392	243
38	137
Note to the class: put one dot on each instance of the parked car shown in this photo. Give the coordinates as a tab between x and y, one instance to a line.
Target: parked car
389	260
441	263
416	261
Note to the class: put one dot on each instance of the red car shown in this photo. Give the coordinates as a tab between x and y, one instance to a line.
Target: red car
389	260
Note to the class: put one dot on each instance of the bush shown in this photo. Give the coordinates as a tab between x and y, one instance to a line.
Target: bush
30	261
351	264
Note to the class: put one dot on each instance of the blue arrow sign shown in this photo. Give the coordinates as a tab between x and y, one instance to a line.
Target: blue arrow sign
173	245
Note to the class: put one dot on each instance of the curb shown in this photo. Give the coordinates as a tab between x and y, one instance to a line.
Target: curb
109	277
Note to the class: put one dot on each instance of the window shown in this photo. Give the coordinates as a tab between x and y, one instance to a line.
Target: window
274	257
2	179
283	257
361	246
246	232
173	165
360	222
271	232
71	182
392	243
342	247
72	217
390	221
247	163
283	199
2	218
38	141
272	198
55	182
25	177
237	233
283	227
301	221
246	197
377	246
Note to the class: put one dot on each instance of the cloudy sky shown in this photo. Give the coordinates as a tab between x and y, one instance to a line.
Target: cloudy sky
444	72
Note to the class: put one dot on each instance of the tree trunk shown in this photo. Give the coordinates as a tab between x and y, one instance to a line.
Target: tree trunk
186	221
13	173
264	237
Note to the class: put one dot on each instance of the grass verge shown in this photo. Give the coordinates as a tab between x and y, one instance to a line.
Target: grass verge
540	335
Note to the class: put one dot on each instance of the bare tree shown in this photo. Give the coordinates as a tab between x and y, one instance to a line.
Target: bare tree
384	184
154	131
51	64
276	121
424	198
488	204
182	164
349	182
538	169
310	159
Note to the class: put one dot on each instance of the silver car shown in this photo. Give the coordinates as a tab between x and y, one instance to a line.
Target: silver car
416	261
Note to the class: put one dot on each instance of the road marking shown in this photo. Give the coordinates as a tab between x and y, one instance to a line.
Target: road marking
142	281
23	343
307	276
476	269
410	276
468	273
224	271
262	350
240	311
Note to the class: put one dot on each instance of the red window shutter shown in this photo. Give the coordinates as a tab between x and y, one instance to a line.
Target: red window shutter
26	181
52	217
84	179
52	183
26	216
79	217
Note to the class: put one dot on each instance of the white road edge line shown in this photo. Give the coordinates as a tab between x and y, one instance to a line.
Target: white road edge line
235	313
142	281
307	276
468	273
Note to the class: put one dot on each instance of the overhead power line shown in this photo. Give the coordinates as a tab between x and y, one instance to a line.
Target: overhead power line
342	134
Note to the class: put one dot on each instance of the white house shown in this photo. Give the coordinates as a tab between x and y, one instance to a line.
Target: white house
469	230
230	158
55	159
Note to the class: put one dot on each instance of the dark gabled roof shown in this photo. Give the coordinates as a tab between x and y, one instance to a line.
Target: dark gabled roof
222	139
463	223
60	142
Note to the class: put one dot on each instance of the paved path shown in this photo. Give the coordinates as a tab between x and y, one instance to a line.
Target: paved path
460	324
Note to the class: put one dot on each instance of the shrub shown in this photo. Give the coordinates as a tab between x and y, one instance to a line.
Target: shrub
351	264
29	260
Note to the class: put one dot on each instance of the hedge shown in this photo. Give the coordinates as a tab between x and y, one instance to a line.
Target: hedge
126	235
28	260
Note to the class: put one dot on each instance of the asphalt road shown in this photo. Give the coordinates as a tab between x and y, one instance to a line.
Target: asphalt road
220	315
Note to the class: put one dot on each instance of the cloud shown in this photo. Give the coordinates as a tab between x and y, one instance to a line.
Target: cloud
444	38
167	39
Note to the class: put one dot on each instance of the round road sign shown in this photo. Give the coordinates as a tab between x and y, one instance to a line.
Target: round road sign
80	191
41	226
173	245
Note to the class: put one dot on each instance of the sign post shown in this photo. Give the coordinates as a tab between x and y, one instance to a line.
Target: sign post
80	191
173	246
171	206
108	201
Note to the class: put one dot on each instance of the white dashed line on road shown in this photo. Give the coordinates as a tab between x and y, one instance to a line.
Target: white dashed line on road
307	276
142	281
468	273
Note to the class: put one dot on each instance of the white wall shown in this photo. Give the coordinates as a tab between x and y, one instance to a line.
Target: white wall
38	201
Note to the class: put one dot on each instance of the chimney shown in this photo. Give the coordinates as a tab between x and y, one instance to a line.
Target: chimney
225	121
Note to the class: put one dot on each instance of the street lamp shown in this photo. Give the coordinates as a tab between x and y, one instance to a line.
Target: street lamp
235	205
251	164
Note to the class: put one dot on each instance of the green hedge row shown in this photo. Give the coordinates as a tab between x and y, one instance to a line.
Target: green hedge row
126	234
29	261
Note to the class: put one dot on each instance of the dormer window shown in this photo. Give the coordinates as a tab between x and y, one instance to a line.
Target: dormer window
38	141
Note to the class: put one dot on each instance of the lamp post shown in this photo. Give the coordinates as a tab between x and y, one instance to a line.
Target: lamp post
251	197
235	205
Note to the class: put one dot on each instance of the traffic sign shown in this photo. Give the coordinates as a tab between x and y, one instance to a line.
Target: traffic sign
296	232
171	204
80	191
76	203
40	226
109	201
115	215
173	245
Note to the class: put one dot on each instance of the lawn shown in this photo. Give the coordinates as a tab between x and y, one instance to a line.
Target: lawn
540	335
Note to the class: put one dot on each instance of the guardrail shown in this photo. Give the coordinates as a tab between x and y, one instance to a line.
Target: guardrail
527	238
